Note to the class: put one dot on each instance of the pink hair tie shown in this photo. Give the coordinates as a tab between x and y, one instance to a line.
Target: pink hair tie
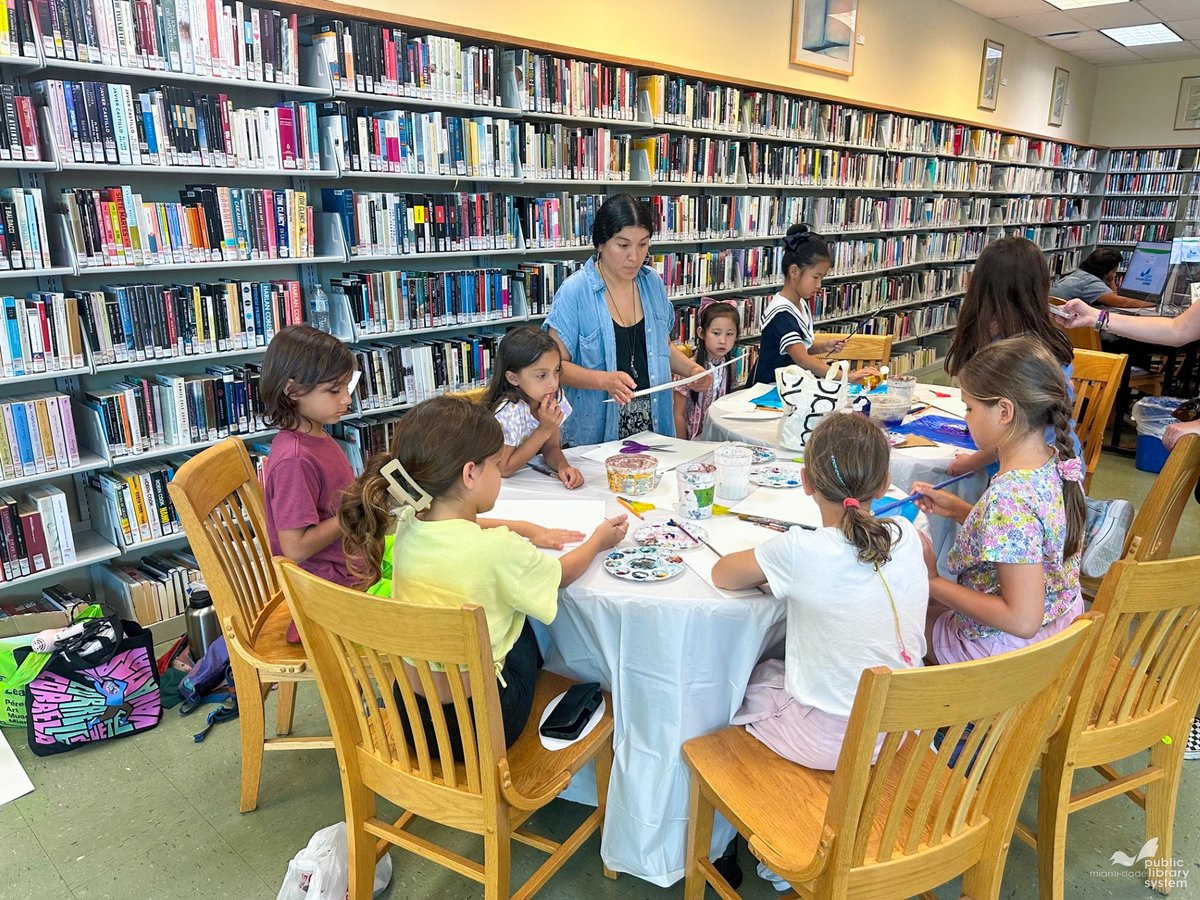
1071	469
851	503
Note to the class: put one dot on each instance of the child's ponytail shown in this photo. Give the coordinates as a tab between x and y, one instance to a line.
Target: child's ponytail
365	515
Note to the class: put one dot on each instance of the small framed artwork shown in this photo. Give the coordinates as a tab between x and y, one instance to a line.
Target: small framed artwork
989	74
823	34
1058	95
1187	114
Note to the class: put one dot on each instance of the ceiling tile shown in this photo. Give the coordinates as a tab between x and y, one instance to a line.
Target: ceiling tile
1173	9
1086	40
995	8
1118	15
1188	29
1184	50
1112	57
1042	23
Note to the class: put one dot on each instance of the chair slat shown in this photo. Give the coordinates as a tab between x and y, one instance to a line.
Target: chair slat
438	715
996	730
368	705
413	712
466	730
918	758
930	790
876	785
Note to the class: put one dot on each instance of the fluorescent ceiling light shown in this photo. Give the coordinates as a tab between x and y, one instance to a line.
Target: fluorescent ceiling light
1080	4
1140	35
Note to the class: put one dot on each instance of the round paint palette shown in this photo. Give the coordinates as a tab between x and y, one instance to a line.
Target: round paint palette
643	564
669	537
761	454
780	475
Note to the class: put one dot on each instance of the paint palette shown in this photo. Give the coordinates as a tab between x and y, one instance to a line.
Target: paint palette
643	564
780	475
761	454
669	537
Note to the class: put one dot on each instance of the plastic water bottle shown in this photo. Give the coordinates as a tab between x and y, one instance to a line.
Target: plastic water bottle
318	311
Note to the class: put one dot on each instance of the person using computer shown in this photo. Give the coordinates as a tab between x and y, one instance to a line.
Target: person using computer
1095	282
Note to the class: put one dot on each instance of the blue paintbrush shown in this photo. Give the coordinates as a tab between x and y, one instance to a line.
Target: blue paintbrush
896	504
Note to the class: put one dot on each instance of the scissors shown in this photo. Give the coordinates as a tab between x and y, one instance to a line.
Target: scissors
635	447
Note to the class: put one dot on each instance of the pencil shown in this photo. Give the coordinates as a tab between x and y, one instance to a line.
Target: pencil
625	503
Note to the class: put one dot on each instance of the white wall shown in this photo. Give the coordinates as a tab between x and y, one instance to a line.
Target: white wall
1135	105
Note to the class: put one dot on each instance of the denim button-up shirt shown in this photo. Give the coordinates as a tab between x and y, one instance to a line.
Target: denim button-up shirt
580	317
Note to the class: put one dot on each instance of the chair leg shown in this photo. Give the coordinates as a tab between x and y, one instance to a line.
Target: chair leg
286	707
252	715
699	840
604	761
360	806
1054	797
497	858
1161	796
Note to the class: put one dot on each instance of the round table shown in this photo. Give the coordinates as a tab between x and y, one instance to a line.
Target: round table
735	418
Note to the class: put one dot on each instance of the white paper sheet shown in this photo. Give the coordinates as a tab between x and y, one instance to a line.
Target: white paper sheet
789	504
677	453
14	782
573	513
669	385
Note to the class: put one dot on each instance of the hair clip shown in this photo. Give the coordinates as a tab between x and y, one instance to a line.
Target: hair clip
837	472
399	492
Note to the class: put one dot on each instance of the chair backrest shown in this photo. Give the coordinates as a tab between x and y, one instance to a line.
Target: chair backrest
1153	528
1095	378
1083	338
220	505
1148	648
475	395
361	647
921	806
861	349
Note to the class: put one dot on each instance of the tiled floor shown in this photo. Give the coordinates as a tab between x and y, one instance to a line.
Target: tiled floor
155	816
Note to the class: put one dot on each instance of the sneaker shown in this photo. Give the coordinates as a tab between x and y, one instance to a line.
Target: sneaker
1192	750
775	881
1108	522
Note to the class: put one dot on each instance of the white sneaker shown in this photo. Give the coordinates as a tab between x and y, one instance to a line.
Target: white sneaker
1108	522
1192	751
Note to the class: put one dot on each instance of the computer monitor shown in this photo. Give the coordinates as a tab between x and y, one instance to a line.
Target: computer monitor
1148	269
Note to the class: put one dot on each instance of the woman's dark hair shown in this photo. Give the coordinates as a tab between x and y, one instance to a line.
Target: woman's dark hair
1102	261
617	212
1008	293
519	348
433	442
1021	370
847	457
803	248
708	315
307	358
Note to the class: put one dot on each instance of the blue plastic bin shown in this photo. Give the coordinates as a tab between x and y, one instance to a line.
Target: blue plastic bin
1151	455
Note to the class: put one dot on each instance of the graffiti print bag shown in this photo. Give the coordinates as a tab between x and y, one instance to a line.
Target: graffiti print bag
807	399
95	693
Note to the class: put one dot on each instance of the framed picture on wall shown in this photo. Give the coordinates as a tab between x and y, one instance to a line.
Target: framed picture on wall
1187	114
823	34
1058	95
989	74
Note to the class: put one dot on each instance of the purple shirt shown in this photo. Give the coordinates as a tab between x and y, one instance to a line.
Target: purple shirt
305	478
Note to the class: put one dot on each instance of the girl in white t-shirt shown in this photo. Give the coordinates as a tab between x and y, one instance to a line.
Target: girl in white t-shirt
525	398
856	591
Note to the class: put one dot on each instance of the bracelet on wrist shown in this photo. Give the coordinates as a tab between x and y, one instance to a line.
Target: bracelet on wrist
1102	320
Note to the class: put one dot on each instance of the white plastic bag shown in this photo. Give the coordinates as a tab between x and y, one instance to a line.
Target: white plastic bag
807	399
321	870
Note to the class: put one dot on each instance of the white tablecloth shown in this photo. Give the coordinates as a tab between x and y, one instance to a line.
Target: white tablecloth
734	418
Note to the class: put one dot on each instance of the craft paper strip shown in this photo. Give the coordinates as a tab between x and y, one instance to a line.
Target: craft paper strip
570	512
674	384
942	429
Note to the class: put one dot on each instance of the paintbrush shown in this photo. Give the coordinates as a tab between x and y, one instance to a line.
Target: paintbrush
768	522
694	537
544	469
896	504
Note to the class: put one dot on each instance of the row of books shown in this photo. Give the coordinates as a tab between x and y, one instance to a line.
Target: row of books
677	100
556	150
114	226
861	296
408	142
24	243
1064	263
41	334
134	322
690	159
949	246
377	59
154	589
404	374
542	280
385	223
131	504
142	414
910	323
1133	232
217	38
19	135
1039	209
37	435
1140	160
1048	237
719	270
571	87
1141	209
386	302
103	123
29	615
1146	183
909	359
35	532
363	438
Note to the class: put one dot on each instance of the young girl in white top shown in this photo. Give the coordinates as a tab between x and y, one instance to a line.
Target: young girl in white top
525	398
716	338
856	592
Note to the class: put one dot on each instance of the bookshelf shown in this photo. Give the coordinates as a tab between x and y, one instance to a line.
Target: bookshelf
908	200
1147	196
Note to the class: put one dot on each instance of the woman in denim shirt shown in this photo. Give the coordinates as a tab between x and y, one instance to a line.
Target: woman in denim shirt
612	321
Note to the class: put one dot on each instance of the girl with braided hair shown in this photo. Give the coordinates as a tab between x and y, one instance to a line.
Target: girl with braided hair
1016	557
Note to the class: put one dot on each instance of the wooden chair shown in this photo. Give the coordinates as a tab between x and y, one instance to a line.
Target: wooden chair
1137	692
1153	529
1095	378
220	506
914	819
475	395
363	646
860	350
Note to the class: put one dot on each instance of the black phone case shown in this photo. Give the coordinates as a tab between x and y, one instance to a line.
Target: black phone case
573	712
